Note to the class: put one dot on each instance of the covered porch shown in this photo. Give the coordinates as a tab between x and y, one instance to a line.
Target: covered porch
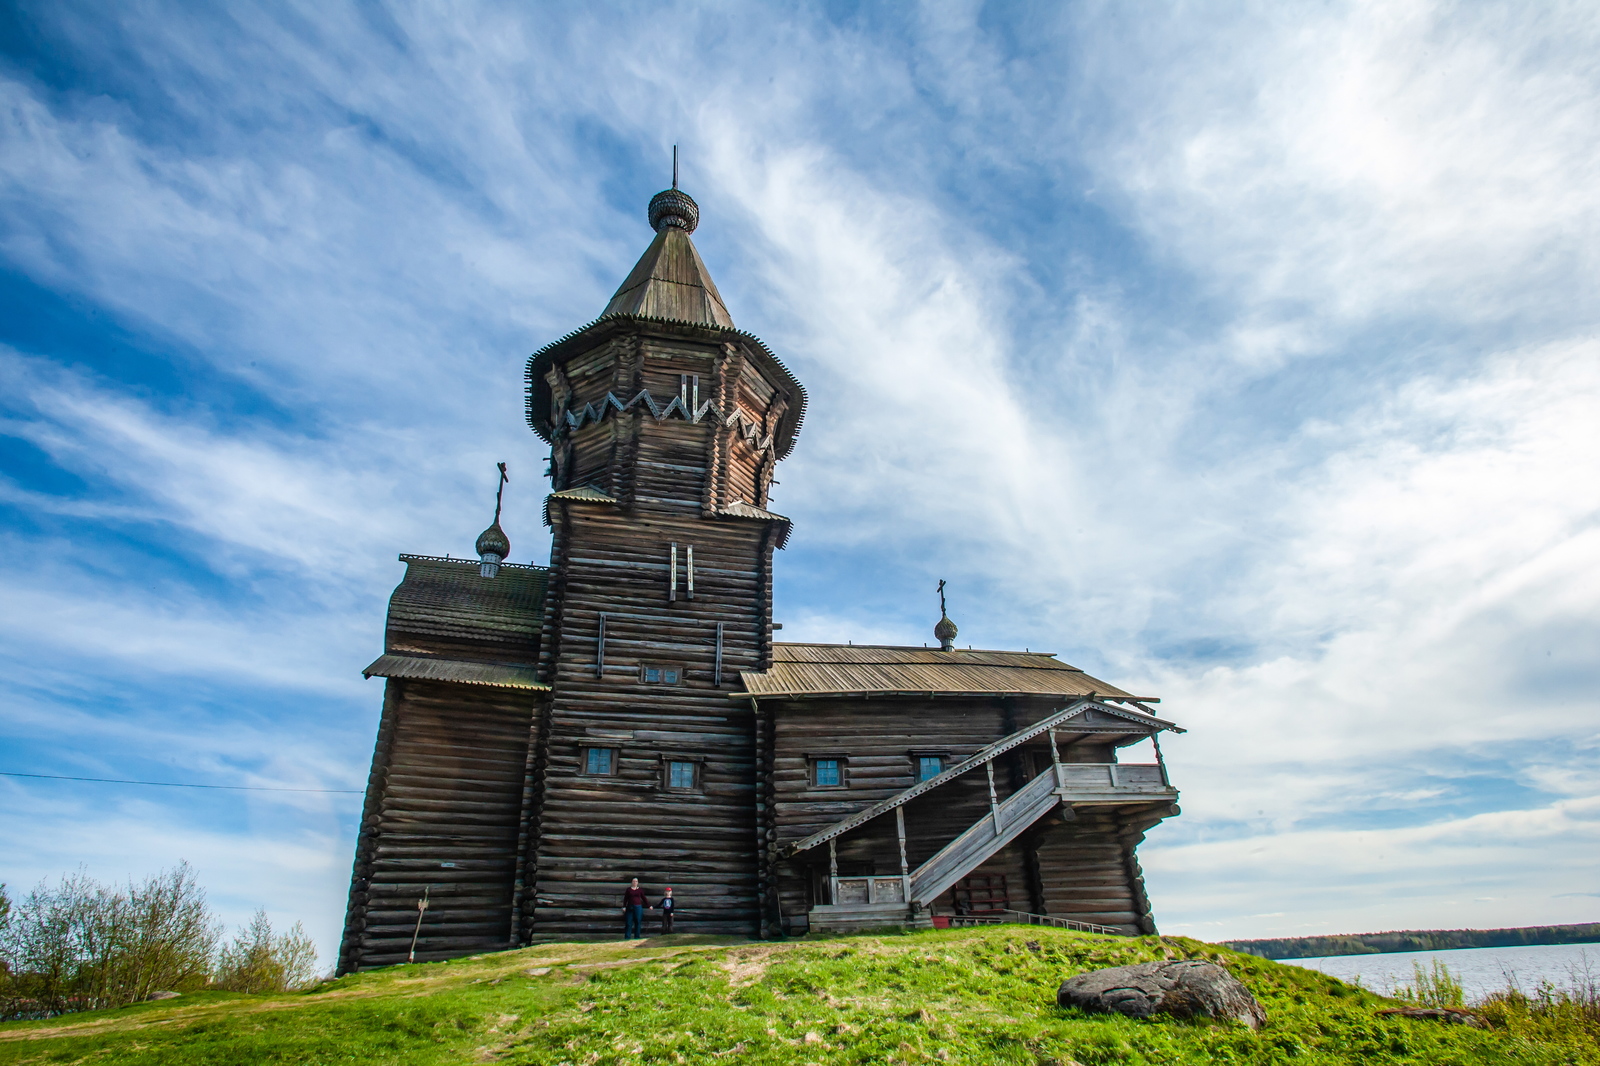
907	898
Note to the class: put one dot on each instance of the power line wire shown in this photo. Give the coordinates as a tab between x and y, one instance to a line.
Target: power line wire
184	784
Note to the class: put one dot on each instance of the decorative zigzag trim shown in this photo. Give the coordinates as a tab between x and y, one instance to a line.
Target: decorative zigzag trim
534	421
571	421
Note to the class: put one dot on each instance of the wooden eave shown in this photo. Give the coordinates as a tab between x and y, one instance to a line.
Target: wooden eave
458	671
609	325
580	494
750	512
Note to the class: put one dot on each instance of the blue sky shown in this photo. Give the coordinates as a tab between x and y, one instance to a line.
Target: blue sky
1244	354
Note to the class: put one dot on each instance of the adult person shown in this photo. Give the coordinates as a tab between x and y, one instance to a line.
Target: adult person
633	905
669	909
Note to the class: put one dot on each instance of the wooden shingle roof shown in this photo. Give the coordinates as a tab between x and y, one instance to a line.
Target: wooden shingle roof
671	281
446	602
801	671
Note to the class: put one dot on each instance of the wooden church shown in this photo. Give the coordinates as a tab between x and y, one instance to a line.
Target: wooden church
549	733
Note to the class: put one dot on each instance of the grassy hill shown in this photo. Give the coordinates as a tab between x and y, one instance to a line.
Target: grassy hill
980	996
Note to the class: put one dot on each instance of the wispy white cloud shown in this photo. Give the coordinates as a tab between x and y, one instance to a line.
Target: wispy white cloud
1248	355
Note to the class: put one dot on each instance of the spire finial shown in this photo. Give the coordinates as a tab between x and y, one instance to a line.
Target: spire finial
946	630
493	544
674	207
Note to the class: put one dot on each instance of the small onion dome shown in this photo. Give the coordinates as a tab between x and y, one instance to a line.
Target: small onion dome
674	207
946	632
492	547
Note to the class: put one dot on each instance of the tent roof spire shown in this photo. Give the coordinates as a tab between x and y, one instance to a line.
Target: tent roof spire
671	280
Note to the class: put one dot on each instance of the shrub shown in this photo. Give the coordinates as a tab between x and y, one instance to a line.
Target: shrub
83	945
259	961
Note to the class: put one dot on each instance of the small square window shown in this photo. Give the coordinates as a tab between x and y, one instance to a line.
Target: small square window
681	775
657	674
929	766
826	773
599	761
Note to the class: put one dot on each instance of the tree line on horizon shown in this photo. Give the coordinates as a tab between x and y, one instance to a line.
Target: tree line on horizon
84	945
1316	947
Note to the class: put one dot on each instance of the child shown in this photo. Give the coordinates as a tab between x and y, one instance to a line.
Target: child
667	908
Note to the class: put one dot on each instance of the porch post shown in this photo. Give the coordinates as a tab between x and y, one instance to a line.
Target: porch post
994	799
833	871
1055	759
905	868
1161	763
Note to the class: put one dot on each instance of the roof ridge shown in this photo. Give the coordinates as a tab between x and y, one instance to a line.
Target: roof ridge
408	557
912	647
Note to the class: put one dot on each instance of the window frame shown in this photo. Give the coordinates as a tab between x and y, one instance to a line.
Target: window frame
918	754
614	760
645	668
843	762
668	758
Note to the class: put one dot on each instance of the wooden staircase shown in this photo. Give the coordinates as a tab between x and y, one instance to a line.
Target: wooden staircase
1001	826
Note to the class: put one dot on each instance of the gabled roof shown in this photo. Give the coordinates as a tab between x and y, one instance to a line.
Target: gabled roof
808	671
671	281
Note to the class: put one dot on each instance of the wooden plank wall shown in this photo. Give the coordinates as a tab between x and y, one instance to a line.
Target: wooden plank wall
446	817
595	833
1084	869
1081	869
592	834
714	456
875	738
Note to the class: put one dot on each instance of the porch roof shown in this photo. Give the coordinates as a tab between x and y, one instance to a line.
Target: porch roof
810	671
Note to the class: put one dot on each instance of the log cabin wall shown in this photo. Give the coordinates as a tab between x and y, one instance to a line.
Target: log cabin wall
876	742
660	548
1078	867
444	810
448	812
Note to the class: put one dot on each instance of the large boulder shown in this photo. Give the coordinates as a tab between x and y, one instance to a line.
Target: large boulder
1183	988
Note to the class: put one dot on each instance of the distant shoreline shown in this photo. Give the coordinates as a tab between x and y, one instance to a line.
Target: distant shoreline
1316	947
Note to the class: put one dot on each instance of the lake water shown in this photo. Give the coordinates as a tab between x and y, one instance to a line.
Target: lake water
1480	970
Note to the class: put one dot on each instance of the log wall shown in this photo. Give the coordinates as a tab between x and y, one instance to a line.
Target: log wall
588	835
1082	869
443	815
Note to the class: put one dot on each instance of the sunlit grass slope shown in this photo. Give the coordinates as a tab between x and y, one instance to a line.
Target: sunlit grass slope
980	996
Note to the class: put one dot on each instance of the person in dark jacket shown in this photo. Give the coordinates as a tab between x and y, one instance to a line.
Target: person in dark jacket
668	910
633	905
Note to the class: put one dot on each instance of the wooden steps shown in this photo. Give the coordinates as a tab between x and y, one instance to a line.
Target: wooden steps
988	835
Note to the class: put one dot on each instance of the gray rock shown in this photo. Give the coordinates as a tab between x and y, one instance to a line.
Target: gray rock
1183	988
162	995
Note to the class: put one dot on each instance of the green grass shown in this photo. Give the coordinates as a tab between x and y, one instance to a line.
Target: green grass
979	996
